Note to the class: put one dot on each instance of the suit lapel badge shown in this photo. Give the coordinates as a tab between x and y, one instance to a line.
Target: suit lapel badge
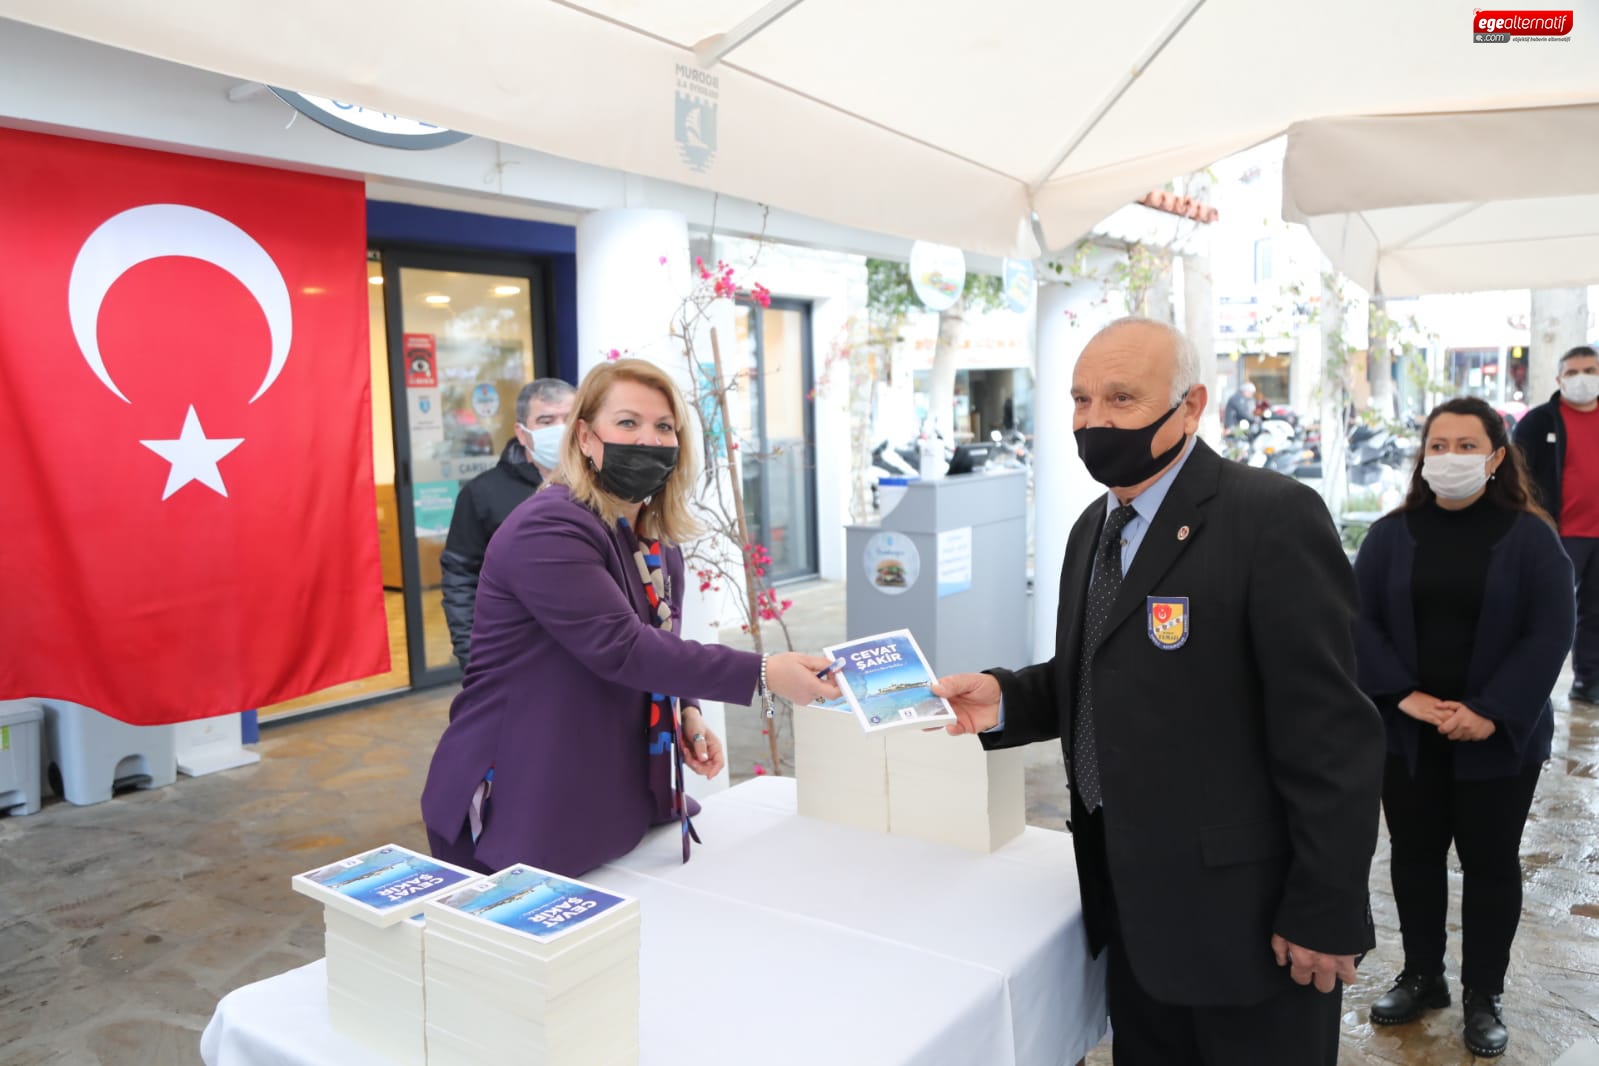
1182	534
1168	621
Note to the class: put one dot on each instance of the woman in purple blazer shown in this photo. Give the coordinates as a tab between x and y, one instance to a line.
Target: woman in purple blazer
560	745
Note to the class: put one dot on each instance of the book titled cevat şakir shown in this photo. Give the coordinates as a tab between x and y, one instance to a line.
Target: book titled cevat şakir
888	683
382	886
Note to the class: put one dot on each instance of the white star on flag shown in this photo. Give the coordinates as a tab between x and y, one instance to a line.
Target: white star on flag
193	456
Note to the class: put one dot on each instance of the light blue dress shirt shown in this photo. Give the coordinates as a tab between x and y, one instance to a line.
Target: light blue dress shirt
1147	505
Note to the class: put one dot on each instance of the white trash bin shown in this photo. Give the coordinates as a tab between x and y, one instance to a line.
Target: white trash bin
20	761
94	752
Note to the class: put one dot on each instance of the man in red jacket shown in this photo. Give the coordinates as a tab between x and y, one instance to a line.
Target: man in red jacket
1560	440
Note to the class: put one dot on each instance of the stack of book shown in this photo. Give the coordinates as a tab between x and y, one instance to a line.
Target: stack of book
372	904
950	791
528	966
841	771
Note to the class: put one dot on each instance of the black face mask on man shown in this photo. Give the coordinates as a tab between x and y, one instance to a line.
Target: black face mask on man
635	472
1117	458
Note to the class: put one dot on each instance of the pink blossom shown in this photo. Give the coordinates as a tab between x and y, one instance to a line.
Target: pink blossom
613	354
760	771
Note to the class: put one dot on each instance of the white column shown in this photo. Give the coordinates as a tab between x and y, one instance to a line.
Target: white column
1199	324
1559	324
1067	318
627	299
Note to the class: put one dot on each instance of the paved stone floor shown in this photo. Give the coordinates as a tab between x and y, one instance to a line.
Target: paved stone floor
122	924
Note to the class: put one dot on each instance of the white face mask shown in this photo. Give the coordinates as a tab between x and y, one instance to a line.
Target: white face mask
547	444
1580	388
1455	477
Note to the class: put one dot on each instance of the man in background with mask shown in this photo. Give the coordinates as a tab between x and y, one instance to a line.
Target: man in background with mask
484	502
1225	768
1560	440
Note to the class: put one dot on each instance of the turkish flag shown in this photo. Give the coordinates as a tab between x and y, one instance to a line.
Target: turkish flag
189	524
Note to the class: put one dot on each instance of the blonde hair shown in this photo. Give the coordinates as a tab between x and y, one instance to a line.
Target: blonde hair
666	514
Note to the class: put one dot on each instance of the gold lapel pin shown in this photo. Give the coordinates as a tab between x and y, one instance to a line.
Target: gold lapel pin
1182	534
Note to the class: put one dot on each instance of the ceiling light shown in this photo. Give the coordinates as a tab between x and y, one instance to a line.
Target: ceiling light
507	290
436	298
375	279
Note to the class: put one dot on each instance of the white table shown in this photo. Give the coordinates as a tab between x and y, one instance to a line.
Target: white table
795	941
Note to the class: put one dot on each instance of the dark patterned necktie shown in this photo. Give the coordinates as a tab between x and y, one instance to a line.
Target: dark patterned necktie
1103	586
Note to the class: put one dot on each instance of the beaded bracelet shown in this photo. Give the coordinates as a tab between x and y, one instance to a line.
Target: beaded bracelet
765	690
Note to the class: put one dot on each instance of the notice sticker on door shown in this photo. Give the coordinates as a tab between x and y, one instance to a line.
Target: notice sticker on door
485	400
421	361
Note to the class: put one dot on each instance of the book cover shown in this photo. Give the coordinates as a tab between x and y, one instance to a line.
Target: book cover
387	883
888	682
533	903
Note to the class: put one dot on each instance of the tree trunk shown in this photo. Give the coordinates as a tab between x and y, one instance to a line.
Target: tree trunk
941	397
1334	397
1379	357
1559	323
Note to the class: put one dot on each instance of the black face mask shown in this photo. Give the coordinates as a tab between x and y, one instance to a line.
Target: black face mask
635	472
1118	458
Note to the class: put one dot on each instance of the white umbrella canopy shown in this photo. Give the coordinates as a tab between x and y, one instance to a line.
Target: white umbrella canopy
1451	202
943	119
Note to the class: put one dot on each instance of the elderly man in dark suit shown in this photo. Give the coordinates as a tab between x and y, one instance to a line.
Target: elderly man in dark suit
1225	768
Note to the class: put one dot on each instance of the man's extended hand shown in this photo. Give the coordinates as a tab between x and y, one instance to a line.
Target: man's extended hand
1306	966
975	699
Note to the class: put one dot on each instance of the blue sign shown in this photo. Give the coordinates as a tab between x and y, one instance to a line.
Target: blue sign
694	121
1020	283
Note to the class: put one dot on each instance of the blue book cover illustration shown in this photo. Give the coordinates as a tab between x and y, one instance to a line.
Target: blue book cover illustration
533	902
888	682
384	880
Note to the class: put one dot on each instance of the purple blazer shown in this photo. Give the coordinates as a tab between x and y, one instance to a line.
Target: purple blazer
556	696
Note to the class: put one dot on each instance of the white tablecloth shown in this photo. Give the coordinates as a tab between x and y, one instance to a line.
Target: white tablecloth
792	941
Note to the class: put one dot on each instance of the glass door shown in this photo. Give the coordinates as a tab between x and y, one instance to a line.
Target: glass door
465	334
771	410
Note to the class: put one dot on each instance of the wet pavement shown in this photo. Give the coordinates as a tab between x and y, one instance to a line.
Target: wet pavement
122	924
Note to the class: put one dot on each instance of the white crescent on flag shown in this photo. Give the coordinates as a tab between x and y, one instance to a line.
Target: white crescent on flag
152	231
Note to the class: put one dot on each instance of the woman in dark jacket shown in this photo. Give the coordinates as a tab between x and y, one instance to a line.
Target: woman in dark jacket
561	746
1466	616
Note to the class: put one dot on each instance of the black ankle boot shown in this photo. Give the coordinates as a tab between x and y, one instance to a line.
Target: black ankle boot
1485	1031
1412	993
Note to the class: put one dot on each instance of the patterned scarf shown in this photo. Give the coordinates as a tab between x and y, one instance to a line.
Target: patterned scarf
666	755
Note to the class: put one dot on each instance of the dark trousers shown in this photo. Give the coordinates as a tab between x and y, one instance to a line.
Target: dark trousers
1484	819
1297	1026
1584	553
